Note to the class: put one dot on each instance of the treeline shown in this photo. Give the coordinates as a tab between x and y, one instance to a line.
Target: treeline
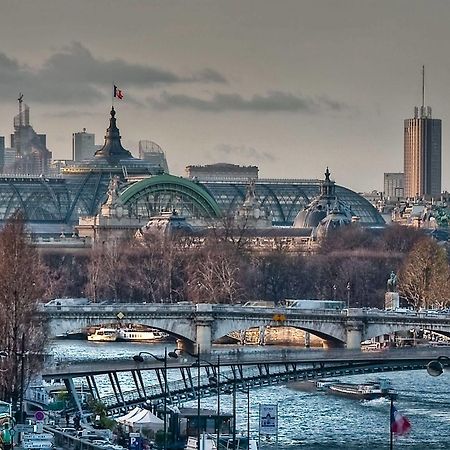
352	263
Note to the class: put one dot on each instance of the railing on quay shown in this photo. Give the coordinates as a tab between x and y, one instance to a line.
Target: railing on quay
67	441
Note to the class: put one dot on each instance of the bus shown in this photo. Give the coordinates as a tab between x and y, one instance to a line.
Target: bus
334	305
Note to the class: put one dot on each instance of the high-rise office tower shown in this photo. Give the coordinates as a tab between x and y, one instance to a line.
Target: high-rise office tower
422	147
83	145
2	153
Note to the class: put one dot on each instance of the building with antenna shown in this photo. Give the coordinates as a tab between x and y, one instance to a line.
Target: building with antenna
422	152
32	155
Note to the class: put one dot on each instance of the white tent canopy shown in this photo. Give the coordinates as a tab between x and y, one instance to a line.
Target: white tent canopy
129	415
142	419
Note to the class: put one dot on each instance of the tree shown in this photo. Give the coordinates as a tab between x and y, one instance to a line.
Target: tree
425	276
215	275
21	287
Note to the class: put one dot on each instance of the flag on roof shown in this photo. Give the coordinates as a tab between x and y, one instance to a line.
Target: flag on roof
399	424
118	93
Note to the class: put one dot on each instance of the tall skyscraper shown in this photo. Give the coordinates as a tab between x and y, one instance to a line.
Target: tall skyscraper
423	154
2	153
83	145
32	154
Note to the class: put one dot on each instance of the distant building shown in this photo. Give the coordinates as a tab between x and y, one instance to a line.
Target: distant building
152	152
32	155
9	165
422	152
2	153
394	186
83	145
222	172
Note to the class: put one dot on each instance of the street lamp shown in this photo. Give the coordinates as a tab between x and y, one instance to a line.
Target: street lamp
139	359
348	295
436	367
196	364
245	390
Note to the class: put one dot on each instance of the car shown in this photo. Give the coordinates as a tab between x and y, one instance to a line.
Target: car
68	430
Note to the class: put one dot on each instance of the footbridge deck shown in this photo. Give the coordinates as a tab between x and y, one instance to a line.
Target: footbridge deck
127	383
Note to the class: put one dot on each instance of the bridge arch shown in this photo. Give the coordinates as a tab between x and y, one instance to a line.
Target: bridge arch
151	196
329	332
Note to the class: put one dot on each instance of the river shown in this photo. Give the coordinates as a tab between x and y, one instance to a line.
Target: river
315	421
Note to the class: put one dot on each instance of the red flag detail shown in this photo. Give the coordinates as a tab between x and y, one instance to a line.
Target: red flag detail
118	93
399	424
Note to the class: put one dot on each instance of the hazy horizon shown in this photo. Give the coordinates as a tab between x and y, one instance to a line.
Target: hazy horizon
290	86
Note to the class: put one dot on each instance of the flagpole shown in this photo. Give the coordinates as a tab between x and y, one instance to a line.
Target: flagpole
391	447
112	95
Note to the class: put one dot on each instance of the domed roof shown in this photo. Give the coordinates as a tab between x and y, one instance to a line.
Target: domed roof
167	223
337	218
112	151
317	210
311	216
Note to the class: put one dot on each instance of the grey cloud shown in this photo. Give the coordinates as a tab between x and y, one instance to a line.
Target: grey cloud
273	101
75	75
242	152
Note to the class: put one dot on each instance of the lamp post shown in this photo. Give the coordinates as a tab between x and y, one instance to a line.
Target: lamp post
436	366
196	364
138	358
348	295
245	390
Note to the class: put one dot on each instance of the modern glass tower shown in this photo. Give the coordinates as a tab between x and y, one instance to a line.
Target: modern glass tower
423	153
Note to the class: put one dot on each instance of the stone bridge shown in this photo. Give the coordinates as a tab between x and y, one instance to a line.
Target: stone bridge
204	323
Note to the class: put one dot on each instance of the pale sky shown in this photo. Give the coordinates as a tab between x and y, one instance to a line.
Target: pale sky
292	86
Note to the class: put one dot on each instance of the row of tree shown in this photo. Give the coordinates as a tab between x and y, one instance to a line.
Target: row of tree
351	264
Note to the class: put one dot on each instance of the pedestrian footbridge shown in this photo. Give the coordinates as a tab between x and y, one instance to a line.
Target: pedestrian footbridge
121	384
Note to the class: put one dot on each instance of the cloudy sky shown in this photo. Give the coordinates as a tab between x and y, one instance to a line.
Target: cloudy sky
289	85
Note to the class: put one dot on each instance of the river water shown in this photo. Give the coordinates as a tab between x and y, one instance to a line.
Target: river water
315	421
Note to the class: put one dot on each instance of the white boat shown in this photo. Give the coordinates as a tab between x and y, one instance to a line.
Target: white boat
103	335
206	443
209	442
131	334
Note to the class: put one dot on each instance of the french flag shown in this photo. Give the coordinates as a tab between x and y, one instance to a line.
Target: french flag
118	93
399	424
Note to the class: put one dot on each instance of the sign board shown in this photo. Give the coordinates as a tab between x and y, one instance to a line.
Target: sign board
23	428
135	441
39	416
268	419
37	436
37	444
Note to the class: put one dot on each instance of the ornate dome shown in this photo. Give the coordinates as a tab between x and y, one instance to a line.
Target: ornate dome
167	223
319	208
337	218
311	216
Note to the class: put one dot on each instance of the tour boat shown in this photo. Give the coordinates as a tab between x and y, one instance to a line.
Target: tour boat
363	391
366	391
131	334
103	335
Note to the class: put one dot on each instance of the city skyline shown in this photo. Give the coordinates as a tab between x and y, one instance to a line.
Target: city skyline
246	82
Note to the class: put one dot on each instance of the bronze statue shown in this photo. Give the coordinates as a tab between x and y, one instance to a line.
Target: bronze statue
392	282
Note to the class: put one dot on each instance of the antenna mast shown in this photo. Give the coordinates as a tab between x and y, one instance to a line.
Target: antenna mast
423	87
20	100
